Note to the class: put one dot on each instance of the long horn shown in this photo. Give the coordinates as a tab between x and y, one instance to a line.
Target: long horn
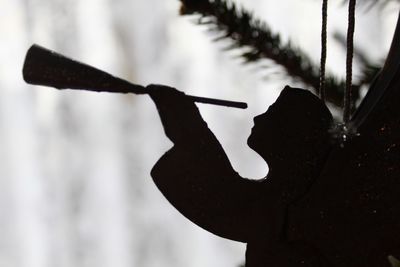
48	68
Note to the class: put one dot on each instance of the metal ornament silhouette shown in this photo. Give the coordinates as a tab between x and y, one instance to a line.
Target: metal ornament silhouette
322	203
198	179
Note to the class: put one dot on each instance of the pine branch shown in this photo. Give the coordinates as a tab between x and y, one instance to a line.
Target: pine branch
239	25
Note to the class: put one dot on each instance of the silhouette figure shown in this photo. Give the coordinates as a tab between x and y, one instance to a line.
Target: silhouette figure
322	203
198	179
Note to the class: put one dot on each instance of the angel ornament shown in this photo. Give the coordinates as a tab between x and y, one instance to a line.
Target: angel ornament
324	202
198	179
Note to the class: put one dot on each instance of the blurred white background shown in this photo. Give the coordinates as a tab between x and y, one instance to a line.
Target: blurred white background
75	188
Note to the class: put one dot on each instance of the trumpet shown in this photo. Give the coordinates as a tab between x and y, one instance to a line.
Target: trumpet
48	68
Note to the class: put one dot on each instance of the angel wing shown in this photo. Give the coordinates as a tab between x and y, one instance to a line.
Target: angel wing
352	213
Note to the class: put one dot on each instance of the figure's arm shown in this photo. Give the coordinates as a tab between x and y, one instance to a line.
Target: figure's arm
179	115
196	175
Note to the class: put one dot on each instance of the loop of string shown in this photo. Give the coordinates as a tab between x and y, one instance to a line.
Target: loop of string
322	91
347	102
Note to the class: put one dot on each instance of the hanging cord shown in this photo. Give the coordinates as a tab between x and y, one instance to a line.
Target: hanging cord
349	63
322	89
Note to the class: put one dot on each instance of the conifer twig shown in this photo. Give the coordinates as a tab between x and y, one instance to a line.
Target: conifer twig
244	30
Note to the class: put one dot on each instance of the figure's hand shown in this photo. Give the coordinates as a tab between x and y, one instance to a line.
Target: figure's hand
166	97
179	115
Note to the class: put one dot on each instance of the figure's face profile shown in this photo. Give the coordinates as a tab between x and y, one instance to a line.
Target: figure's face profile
297	121
264	133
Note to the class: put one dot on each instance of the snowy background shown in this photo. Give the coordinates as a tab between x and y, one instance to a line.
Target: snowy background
75	189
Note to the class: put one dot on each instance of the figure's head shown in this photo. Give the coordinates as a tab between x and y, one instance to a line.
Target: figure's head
296	125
